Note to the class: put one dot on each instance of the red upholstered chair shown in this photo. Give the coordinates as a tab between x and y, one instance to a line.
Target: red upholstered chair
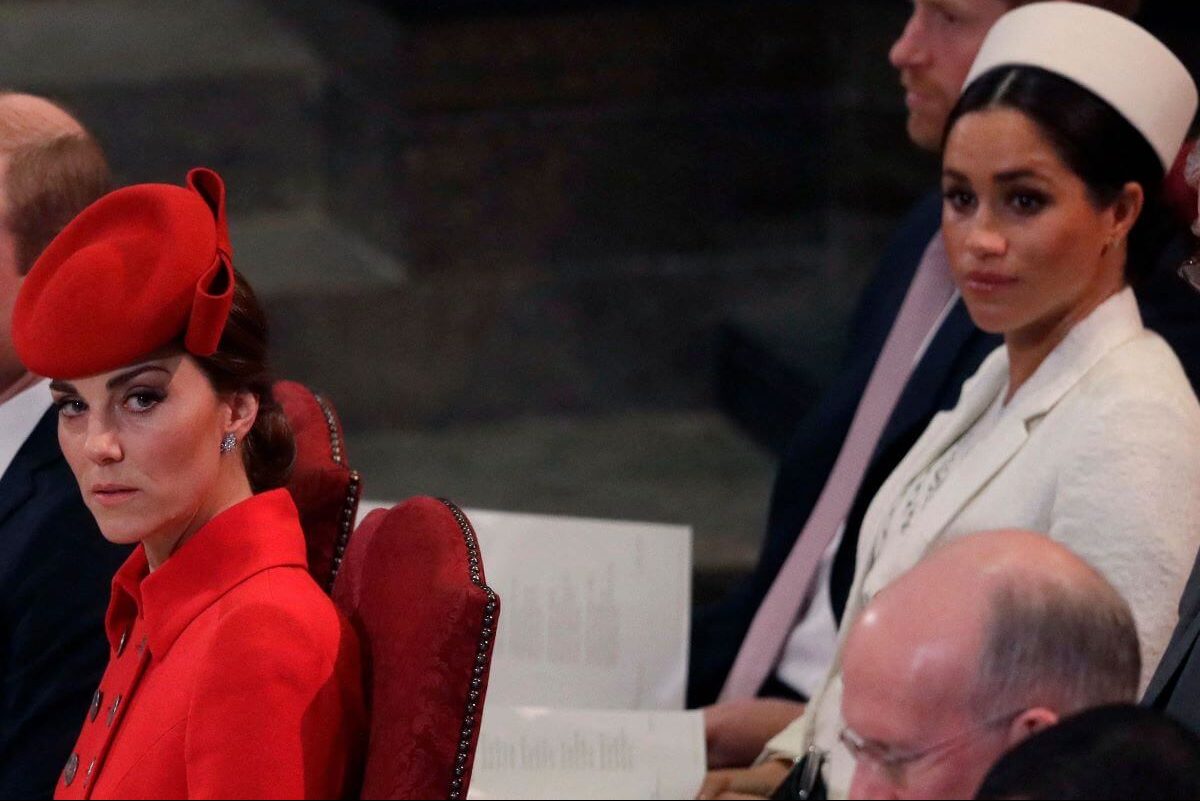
413	585
1181	196
325	489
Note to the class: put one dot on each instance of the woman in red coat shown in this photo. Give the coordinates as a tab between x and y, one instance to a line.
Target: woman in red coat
231	673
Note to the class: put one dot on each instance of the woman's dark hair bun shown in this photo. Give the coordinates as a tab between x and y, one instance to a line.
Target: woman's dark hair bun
240	365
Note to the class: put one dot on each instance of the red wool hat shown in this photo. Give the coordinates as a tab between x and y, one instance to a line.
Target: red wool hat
139	269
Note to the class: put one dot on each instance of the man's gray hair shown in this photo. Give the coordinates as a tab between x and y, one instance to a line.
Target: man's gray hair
1064	644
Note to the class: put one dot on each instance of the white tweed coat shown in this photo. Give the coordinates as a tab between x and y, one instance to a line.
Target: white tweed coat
1100	449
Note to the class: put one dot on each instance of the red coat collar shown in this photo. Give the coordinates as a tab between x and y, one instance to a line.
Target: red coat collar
255	535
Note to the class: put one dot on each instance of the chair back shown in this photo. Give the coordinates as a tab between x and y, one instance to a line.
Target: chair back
412	583
325	489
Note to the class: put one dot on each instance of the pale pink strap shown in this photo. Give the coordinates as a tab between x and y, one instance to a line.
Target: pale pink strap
931	290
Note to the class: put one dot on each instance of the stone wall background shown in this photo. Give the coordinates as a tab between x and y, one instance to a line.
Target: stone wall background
580	197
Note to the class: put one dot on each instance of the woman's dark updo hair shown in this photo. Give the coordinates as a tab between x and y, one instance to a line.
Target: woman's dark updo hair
240	365
1093	139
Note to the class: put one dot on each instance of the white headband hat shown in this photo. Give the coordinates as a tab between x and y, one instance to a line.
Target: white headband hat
1105	53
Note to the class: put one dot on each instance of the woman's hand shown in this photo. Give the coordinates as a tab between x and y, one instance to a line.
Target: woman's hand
736	732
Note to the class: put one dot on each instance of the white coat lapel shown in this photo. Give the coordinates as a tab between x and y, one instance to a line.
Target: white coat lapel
1110	326
943	431
968	476
1115	322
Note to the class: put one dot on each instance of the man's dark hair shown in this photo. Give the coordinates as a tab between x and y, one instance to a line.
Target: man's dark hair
1107	752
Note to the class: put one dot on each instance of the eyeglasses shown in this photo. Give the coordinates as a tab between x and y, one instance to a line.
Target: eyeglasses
895	764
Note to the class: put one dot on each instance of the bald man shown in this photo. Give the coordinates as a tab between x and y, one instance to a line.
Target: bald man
55	568
987	640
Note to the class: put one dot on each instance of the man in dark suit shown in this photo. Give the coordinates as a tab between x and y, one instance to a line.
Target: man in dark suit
1175	687
933	56
55	568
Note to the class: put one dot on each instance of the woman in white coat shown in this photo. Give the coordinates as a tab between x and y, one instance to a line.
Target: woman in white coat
1083	425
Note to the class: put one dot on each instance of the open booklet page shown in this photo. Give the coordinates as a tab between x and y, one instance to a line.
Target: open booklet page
595	614
558	753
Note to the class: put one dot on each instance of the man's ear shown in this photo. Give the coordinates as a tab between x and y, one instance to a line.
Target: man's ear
1030	722
242	412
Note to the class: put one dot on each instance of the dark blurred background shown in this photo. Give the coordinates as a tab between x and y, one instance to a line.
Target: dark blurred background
588	257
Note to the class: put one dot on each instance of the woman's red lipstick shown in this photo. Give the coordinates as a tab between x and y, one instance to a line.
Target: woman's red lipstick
983	281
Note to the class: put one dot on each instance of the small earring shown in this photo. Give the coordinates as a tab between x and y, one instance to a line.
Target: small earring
228	444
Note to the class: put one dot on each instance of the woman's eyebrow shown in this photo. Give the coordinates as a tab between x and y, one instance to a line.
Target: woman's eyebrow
66	388
129	375
1016	175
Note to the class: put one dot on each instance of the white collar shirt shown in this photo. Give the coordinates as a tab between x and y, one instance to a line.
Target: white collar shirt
19	416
